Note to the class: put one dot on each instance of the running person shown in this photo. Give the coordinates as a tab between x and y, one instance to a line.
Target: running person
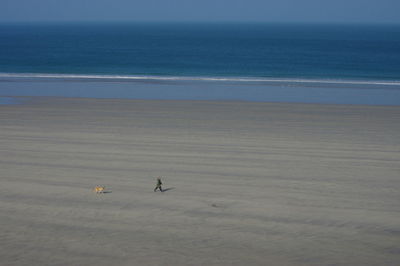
158	186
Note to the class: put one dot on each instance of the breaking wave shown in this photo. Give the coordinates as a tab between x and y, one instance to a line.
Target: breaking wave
192	78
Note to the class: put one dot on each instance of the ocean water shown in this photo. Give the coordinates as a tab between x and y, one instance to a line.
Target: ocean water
265	62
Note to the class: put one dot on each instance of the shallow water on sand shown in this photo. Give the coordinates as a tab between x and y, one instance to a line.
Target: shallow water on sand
191	89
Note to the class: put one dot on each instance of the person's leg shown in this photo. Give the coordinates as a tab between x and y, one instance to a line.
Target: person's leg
161	189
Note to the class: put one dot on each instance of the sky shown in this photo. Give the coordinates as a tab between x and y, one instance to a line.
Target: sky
304	11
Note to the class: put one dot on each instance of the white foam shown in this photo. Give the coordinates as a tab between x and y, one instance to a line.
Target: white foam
188	78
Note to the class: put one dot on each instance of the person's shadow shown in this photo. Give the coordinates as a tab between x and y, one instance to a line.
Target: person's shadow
167	189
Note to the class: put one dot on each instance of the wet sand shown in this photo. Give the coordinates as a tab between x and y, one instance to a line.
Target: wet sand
246	183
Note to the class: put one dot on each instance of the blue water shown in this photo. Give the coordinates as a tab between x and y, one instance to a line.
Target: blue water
274	59
8	100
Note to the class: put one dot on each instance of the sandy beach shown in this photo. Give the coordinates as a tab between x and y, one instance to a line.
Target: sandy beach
246	183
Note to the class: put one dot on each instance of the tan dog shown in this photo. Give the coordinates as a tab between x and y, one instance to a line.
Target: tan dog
99	189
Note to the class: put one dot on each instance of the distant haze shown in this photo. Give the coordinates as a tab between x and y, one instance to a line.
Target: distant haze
307	11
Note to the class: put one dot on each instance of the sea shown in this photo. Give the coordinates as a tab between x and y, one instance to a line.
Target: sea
308	63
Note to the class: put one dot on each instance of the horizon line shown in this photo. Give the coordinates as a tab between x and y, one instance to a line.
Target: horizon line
198	22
